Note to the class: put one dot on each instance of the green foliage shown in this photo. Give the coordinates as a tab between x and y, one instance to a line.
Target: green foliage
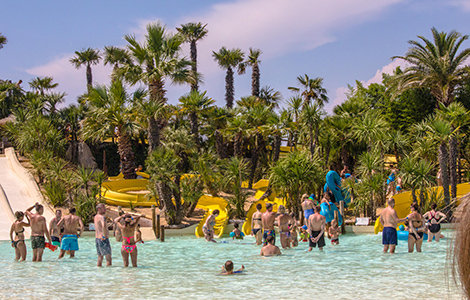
56	193
235	171
86	208
191	188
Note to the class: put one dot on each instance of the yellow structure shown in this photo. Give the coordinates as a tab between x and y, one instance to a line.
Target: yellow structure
403	202
210	204
116	192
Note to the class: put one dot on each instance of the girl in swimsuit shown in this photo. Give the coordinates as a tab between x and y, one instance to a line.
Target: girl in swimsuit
434	219
18	241
283	221
256	225
128	242
416	229
293	232
208	227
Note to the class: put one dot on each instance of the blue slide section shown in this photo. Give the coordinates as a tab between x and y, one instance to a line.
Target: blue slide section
333	180
329	214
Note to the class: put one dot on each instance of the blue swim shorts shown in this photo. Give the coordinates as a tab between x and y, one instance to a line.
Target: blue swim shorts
69	242
389	236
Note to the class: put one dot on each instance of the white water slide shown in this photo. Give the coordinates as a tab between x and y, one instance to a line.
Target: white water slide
18	191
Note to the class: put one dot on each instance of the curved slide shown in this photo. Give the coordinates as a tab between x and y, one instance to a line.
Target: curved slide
403	202
117	192
18	192
210	204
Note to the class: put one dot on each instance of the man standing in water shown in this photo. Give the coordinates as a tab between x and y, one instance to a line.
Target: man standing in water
316	228
71	223
389	219
54	230
38	230
103	247
270	249
267	219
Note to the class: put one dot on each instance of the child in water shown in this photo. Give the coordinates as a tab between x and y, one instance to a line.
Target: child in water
227	269
303	233
334	232
138	235
236	233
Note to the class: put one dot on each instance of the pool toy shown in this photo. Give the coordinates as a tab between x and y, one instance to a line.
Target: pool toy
329	213
232	234
210	204
403	202
50	246
333	180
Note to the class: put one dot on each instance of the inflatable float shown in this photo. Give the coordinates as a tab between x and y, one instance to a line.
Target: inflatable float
329	213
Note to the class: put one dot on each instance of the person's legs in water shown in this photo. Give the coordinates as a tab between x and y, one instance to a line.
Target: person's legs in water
17	250
419	243
22	249
411	243
39	254
134	257
125	257
386	247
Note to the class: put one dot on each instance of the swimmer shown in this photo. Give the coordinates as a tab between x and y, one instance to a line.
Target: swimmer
54	230
334	232
267	219
389	220
270	249
416	229
316	228
208	227
307	206
72	224
103	246
283	221
227	269
128	247
17	242
237	234
434	219
38	230
256	225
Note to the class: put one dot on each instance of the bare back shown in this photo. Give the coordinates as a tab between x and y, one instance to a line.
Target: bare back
257	220
307	204
316	222
270	250
101	230
267	220
389	217
71	224
283	222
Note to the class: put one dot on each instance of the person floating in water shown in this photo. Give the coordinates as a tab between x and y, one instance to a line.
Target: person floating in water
129	247
227	269
72	224
208	228
270	249
236	233
17	242
389	220
267	220
103	247
334	232
256	225
38	230
54	230
316	228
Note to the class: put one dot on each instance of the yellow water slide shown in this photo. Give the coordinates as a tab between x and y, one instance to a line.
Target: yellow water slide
126	193
261	187
403	202
210	204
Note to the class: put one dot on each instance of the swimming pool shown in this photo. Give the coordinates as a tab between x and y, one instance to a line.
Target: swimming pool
186	267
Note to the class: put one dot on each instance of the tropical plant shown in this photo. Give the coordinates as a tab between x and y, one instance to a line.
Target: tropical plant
191	190
235	171
229	59
253	61
313	90
116	57
3	40
87	57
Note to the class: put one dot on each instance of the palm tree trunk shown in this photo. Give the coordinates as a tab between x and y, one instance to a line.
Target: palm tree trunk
255	158
229	88
453	166
126	154
237	145
443	164
255	81
194	85
219	145
277	147
153	134
168	208
89	78
194	127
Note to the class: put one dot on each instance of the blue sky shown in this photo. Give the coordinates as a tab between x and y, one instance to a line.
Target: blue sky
339	40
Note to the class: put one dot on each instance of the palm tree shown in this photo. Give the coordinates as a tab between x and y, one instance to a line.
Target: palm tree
253	61
310	119
116	57
437	66
312	90
370	129
110	113
194	104
237	131
229	59
42	84
235	172
270	97
154	61
3	40
86	57
192	33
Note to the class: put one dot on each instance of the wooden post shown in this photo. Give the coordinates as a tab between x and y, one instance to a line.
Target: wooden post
157	232
162	233
341	210
154	223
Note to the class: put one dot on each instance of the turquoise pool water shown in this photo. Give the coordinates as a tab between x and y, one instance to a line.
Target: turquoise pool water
187	267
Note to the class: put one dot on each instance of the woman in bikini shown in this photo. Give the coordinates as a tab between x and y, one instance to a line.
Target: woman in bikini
283	221
256	224
128	247
434	219
18	241
208	227
416	229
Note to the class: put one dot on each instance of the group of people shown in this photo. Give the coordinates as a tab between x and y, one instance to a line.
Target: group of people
64	232
416	225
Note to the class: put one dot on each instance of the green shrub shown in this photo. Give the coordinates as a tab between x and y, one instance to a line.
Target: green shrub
56	193
86	208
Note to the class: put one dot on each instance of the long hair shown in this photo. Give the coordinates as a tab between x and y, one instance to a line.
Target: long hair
460	250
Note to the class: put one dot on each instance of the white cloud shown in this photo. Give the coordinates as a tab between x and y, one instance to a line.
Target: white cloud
71	80
463	4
